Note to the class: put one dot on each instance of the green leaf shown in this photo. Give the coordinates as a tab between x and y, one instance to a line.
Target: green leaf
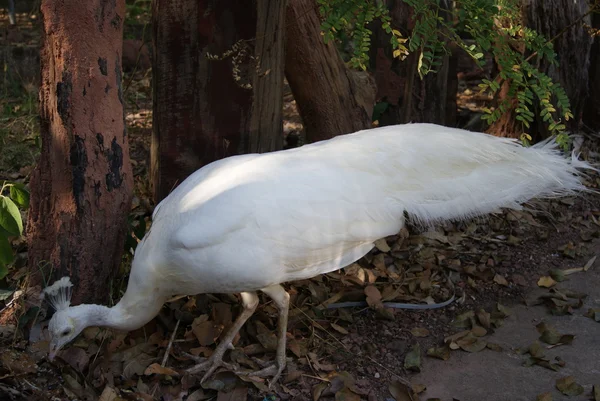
10	218
3	271
20	195
6	252
379	109
4	294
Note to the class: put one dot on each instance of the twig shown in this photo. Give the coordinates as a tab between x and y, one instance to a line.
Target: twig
316	377
31	385
164	361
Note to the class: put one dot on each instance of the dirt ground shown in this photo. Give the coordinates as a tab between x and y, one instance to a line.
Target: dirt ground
491	266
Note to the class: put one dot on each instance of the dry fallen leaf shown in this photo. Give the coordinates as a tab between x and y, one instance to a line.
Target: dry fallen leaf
589	264
239	393
155	368
318	390
339	328
442	352
470	343
412	361
484	318
593	313
401	392
205	331
544	397
568	386
494	347
419	332
418	388
498	279
373	296
345	394
478	331
109	394
546	282
551	336
382	245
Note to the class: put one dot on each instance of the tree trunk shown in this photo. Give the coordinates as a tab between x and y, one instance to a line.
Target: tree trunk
218	84
331	98
591	113
410	98
81	189
550	18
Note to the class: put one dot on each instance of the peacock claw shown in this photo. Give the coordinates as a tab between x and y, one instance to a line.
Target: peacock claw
210	365
274	370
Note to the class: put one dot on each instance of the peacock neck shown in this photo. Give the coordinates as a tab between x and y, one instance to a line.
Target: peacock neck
129	314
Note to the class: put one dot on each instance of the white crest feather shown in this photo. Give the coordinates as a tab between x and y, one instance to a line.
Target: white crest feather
59	293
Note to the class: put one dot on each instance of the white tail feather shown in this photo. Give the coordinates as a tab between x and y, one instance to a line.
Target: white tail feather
459	174
59	293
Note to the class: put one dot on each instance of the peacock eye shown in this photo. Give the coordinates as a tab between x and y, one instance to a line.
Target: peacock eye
65	332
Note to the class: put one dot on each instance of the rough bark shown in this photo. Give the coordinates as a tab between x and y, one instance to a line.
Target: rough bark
591	113
331	98
82	186
200	112
410	98
266	123
550	18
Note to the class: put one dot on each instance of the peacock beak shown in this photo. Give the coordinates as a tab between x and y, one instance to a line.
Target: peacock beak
53	351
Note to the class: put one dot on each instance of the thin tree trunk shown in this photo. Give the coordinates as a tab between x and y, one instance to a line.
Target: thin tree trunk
331	98
266	124
410	98
81	189
591	114
550	18
218	84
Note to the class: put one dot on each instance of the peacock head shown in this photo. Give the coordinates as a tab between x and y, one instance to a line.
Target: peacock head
65	324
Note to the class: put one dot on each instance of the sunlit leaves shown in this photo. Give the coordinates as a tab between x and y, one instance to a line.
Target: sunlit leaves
496	29
11	224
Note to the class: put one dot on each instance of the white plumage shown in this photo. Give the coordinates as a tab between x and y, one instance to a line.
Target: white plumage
252	222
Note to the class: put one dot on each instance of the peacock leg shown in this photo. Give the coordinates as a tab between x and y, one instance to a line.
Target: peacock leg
282	299
249	302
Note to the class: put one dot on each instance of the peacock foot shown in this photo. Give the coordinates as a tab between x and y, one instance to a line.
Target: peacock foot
274	370
209	365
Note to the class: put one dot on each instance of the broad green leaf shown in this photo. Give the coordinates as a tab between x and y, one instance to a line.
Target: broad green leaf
6	252
3	270
10	218
20	195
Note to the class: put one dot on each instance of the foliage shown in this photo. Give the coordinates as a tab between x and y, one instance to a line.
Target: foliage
496	29
13	197
136	229
351	18
138	10
138	14
19	133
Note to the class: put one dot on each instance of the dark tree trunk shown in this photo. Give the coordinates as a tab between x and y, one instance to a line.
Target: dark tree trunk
204	108
550	18
331	98
81	189
591	113
410	98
